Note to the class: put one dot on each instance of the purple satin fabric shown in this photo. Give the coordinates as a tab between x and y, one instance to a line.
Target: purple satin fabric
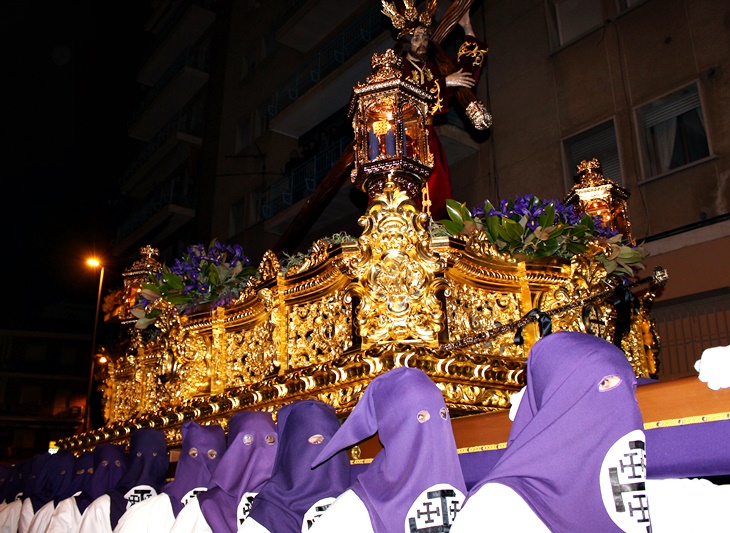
564	428
31	478
194	470
692	450
83	470
110	464
416	455
295	486
245	467
147	464
55	479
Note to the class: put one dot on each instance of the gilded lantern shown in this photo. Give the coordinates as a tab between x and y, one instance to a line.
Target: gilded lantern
600	197
389	115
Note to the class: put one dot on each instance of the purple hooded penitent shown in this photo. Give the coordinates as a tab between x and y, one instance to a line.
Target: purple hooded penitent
576	448
31	477
418	469
147	465
83	469
297	493
55	479
202	450
14	488
246	466
110	464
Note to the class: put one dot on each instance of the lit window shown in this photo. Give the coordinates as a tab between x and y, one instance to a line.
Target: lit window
598	142
673	129
574	18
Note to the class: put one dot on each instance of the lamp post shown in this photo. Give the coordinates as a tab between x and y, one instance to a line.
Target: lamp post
93	262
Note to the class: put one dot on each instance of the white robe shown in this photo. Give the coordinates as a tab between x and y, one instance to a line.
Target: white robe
42	518
66	517
97	516
347	512
153	515
26	516
496	507
191	520
683	505
252	526
10	516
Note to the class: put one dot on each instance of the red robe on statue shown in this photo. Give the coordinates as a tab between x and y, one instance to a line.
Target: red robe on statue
426	73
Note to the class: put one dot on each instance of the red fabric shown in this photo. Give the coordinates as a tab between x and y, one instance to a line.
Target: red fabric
439	183
426	74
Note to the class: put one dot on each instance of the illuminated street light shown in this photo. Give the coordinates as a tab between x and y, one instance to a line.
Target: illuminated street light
94	263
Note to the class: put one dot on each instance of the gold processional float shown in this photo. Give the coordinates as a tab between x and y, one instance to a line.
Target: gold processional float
401	294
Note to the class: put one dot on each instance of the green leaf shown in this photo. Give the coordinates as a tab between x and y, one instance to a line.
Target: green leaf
514	230
452	226
173	280
548	217
178	299
493	227
457	212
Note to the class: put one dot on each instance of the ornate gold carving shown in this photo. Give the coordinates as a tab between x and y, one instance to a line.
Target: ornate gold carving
396	274
395	298
471	49
319	331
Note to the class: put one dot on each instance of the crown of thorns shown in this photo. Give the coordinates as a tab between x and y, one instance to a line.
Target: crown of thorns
409	18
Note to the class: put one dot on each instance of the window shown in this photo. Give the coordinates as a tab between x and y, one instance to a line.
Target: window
598	142
250	128
574	18
625	5
237	218
673	131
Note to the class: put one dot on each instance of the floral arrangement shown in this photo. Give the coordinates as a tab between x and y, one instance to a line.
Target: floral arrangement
216	276
532	228
294	260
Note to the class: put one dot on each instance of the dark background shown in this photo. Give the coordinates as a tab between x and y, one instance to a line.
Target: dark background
70	66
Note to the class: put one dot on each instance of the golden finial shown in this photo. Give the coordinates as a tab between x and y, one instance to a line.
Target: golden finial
410	14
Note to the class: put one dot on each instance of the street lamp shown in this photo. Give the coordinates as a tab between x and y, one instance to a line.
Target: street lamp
93	262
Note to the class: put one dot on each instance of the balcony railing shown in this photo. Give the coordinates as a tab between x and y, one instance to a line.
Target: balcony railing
188	120
301	181
328	59
197	57
177	191
177	10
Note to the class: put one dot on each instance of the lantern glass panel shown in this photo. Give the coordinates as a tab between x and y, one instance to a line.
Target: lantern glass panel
413	134
379	122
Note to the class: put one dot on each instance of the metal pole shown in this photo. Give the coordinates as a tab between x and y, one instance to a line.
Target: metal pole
87	415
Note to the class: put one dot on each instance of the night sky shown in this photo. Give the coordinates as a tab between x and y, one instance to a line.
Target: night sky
71	67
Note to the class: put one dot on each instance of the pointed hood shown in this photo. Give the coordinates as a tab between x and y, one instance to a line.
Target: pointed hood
83	470
147	466
202	451
296	490
245	467
577	440
55	478
110	464
419	458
